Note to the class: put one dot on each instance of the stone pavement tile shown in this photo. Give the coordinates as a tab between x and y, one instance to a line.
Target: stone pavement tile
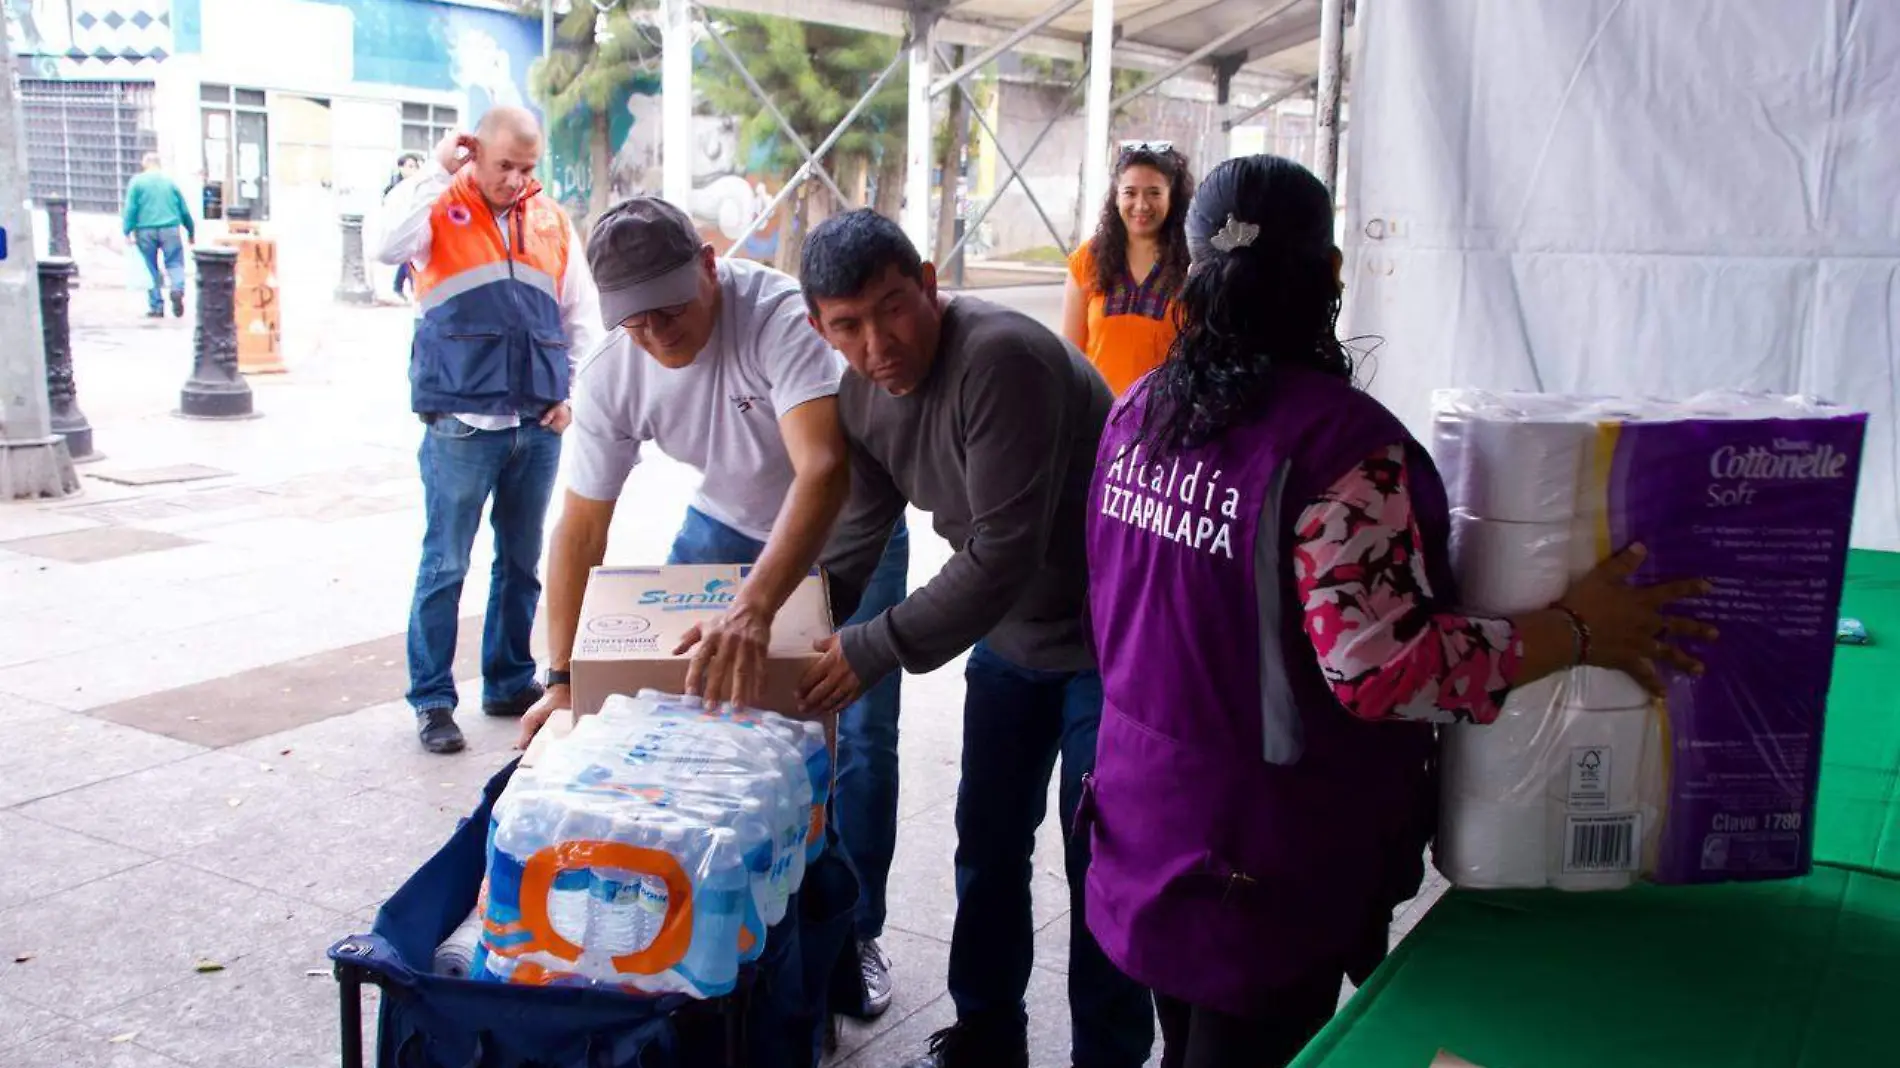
377	746
43	859
344	855
20	1022
919	967
30	521
17	709
263	1010
185	804
98	544
49	754
281	696
921	897
128	935
930	740
1049	1034
80	1046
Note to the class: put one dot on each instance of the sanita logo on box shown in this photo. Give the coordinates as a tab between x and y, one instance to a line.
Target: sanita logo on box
718	594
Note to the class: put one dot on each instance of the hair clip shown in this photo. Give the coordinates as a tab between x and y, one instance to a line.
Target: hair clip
1236	234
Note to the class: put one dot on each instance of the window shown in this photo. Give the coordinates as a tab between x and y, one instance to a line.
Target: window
85	140
425	124
236	150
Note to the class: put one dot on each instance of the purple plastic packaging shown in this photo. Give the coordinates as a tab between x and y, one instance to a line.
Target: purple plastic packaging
1760	507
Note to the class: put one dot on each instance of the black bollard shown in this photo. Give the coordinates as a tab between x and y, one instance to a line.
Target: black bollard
59	238
56	274
354	288
215	390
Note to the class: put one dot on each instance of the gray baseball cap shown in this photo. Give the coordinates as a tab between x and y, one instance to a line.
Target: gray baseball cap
644	253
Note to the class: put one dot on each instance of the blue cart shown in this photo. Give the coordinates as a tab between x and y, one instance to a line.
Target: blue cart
780	1016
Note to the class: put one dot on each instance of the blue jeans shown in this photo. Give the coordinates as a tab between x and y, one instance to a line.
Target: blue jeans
166	244
864	801
462	468
1016	721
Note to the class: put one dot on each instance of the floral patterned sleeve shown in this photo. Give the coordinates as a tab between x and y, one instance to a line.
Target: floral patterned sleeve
1368	608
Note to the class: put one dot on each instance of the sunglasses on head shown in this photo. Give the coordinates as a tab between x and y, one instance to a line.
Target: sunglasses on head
1158	148
656	316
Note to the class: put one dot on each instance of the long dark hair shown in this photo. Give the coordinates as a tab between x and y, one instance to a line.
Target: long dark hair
1263	293
1109	246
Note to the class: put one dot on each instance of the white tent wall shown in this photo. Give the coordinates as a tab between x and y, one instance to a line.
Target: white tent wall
1638	197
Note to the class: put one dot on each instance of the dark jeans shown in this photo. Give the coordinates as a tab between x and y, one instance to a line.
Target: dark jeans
1194	1036
864	804
166	245
462	468
1016	721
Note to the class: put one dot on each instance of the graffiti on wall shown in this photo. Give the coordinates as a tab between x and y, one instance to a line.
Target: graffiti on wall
727	191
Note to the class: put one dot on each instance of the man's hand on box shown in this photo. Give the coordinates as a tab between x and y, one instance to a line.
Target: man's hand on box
557	698
728	657
831	684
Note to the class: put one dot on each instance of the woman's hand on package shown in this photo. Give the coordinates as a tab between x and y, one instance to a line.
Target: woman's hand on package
558	697
1627	627
728	657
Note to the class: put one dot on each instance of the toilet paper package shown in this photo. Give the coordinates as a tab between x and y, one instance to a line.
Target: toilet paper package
1714	780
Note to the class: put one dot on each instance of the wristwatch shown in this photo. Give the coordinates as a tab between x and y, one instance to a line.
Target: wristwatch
557	677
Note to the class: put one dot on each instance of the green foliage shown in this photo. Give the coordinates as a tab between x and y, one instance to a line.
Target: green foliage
589	73
814	74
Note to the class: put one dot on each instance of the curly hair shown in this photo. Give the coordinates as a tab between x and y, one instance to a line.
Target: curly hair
1263	293
1109	246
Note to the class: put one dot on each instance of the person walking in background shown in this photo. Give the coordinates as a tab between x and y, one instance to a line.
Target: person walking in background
506	301
1277	650
154	213
406	167
1117	305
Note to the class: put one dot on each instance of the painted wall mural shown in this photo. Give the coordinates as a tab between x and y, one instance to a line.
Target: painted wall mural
61	38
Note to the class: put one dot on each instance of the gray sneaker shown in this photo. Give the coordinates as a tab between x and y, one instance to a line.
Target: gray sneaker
876	969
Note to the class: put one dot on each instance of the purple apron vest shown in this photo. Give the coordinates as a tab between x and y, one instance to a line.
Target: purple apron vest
1247	831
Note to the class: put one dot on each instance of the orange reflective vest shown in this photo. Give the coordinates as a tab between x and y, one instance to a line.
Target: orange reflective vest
490	340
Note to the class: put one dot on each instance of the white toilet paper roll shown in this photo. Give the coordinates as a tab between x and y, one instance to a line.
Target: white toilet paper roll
1600	773
1493	823
1492	846
1524	470
1506	568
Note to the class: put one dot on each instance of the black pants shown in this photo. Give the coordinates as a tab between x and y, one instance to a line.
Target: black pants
1194	1036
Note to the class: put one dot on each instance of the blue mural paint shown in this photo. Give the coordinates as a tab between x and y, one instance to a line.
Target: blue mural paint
484	55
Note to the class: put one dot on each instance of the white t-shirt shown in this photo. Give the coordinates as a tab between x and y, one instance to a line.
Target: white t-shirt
718	414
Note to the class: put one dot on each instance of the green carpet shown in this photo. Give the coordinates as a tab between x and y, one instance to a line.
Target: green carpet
1796	974
1857	817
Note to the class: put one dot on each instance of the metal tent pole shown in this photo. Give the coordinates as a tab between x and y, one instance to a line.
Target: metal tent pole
1332	46
798	177
784	124
1015	171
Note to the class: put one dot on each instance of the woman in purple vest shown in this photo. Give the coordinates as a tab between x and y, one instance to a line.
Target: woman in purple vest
1274	613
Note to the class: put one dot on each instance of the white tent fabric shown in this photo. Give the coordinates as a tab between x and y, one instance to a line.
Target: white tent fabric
1637	197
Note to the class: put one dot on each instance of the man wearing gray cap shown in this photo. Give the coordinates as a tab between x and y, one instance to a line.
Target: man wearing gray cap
713	362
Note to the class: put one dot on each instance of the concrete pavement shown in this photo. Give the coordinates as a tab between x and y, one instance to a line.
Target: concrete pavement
209	775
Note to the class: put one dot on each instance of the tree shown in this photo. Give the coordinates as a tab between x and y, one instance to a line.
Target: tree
814	74
599	56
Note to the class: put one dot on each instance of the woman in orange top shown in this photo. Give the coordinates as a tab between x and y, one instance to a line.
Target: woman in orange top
1118	306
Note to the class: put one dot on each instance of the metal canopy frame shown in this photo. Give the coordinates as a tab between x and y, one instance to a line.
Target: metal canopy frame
923	26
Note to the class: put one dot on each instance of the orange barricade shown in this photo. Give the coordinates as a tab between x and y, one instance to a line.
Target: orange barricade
259	328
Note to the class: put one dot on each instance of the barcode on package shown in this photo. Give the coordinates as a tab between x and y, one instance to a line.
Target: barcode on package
1600	843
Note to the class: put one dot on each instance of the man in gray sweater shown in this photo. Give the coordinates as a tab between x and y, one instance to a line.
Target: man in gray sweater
985	419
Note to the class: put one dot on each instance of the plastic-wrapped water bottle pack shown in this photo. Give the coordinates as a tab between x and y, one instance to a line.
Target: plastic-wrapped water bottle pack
653	848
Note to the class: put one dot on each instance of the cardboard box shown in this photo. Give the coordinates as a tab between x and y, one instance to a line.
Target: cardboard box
632	618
